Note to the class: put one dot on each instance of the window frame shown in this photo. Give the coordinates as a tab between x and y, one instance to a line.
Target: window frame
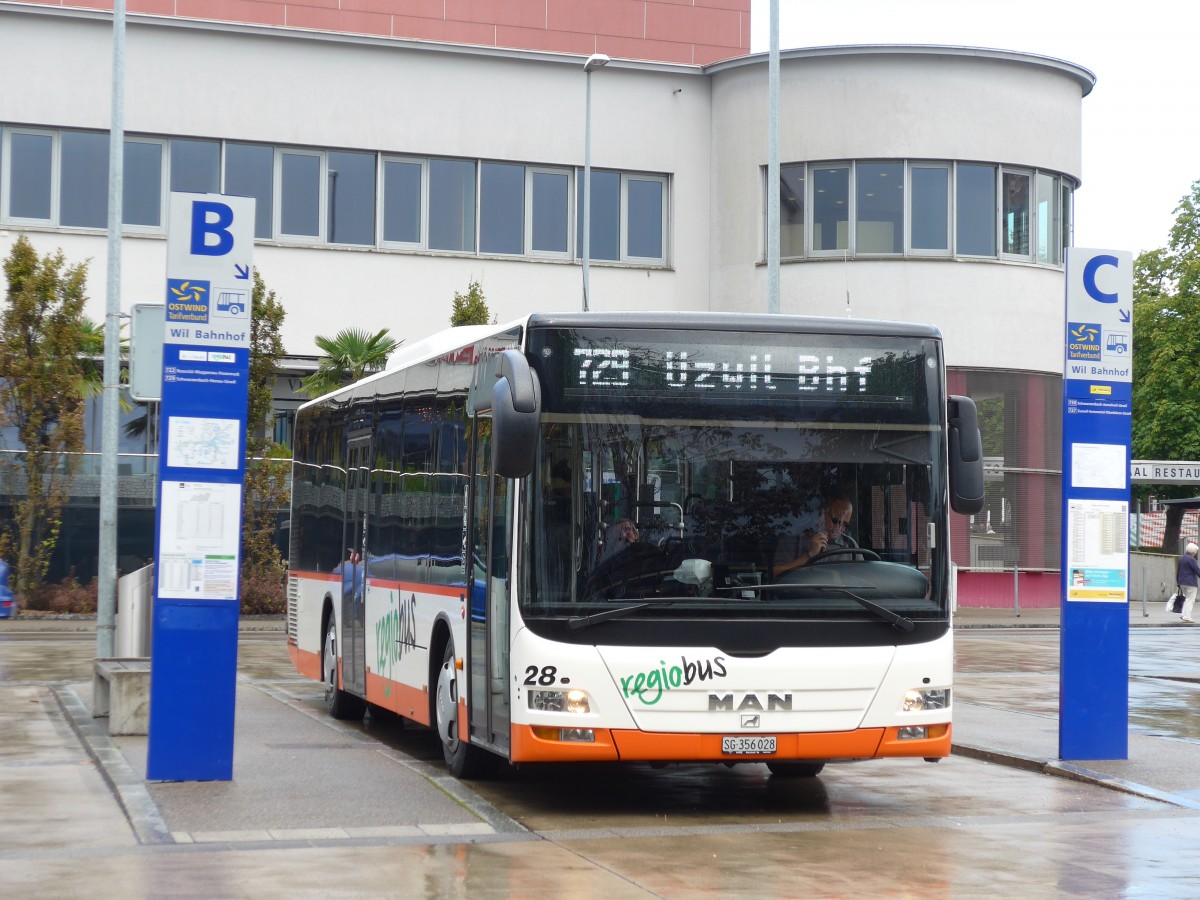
287	237
6	177
856	222
946	166
1002	210
422	212
530	250
626	256
810	212
164	188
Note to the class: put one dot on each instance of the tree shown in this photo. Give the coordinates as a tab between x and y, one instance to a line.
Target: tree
1166	346
42	336
350	355
470	308
266	486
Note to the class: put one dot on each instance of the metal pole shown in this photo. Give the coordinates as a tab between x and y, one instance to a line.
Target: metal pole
772	198
1145	612
106	600
1016	592
587	183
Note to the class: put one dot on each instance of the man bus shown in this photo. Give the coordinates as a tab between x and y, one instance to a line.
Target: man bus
453	556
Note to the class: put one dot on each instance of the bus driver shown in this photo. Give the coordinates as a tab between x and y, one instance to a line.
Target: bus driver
829	534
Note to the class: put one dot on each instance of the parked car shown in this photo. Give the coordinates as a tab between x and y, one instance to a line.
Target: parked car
8	604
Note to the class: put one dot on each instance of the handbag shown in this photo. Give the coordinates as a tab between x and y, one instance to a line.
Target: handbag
1175	603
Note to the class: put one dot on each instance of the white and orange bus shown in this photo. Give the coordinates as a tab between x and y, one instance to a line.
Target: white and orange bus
576	537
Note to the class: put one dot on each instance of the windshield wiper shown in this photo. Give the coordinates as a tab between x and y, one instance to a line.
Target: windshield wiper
577	623
897	621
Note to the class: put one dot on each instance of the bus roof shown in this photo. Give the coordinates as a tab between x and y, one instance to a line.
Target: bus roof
451	339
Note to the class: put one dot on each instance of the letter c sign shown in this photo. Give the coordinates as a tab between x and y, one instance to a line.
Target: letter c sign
212	220
1089	278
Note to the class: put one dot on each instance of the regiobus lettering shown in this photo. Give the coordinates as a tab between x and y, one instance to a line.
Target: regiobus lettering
591	537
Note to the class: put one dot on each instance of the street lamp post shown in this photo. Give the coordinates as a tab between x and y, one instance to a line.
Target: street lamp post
595	61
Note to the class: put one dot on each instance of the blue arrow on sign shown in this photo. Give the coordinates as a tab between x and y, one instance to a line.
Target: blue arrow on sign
243	272
1124	315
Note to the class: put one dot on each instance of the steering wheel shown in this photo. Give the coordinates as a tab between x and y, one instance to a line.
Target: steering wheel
844	551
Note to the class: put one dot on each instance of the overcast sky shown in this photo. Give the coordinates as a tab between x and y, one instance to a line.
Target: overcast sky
1141	123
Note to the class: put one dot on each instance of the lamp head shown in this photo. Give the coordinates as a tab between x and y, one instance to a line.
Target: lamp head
595	61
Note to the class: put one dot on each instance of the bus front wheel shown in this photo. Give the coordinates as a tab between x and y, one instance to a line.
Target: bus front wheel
338	703
463	760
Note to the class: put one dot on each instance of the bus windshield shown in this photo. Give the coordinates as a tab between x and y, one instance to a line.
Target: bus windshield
776	475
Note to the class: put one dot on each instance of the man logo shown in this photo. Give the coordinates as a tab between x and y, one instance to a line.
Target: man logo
751	721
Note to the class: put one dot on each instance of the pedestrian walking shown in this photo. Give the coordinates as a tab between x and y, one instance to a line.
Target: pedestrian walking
1188	576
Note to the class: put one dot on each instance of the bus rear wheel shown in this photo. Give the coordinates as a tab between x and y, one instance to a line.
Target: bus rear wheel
338	703
463	760
795	769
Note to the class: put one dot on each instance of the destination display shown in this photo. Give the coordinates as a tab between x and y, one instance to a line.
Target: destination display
583	365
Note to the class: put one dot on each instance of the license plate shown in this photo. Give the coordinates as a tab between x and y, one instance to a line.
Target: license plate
743	745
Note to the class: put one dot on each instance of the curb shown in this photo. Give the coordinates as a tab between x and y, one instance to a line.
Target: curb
1062	769
131	792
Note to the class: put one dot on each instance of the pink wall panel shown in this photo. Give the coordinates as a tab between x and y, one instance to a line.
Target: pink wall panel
255	12
518	13
439	30
626	18
659	51
680	31
541	39
697	25
339	20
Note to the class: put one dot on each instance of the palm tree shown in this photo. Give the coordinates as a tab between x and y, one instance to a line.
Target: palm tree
350	355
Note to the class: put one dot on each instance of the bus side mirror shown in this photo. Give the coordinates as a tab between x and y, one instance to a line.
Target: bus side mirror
966	456
516	416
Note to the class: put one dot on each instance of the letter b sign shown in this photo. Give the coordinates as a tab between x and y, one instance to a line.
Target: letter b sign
210	228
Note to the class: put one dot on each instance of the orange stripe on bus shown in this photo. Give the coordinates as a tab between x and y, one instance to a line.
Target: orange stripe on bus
646	746
936	745
315	576
641	746
306	662
410	702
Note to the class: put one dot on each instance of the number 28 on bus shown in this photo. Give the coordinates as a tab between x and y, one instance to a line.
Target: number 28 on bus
640	538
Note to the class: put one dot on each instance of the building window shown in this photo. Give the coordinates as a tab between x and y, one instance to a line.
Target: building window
628	217
644	234
819	202
250	172
452	205
930	208
351	202
1016	213
1048	225
196	166
879	205
345	197
605	215
84	182
403	186
549	199
791	210
501	208
142	198
831	208
299	182
975	210
28	177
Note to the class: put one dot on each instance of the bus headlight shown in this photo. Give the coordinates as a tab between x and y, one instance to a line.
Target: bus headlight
560	701
918	700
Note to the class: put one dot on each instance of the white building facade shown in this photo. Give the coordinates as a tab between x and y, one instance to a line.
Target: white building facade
918	183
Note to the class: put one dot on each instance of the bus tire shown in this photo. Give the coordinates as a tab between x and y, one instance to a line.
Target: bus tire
463	760
338	703
796	769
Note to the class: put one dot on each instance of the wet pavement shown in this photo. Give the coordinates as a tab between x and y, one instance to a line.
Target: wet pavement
321	808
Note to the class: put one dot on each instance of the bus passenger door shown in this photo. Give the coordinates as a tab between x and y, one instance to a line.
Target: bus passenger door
491	532
354	608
